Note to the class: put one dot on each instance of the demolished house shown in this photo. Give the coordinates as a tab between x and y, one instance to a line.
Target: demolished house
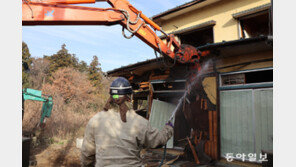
228	110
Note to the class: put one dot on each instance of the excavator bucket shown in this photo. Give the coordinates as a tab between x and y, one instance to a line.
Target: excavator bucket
46	109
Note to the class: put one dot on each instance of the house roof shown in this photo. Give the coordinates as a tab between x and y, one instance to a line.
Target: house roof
181	9
177	8
228	48
191	28
236	47
153	63
247	12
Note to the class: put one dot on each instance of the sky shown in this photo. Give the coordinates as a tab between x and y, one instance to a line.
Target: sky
106	42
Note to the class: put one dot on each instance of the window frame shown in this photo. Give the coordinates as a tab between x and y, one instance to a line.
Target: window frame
253	12
244	86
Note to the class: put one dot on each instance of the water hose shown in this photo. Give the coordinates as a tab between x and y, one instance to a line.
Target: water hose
163	156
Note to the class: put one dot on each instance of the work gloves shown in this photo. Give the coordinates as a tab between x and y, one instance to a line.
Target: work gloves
170	124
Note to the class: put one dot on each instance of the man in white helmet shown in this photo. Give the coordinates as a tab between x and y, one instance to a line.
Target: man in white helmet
115	136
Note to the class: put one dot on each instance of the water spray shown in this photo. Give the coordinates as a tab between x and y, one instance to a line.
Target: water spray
195	80
187	92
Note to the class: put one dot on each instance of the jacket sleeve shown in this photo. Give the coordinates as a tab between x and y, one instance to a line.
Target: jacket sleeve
154	138
88	149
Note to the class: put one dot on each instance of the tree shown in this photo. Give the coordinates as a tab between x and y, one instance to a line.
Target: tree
62	59
26	64
39	72
70	84
82	66
95	72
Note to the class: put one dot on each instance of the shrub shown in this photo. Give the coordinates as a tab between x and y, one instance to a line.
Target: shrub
75	101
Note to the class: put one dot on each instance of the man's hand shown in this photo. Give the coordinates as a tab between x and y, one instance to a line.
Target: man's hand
170	124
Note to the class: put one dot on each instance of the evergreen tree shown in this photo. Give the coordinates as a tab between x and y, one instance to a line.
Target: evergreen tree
95	72
62	59
26	64
82	66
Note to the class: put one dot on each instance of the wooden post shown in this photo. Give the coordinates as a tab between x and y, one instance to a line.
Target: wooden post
150	99
210	133
135	104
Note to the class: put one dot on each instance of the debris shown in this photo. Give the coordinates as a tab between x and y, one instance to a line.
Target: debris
193	151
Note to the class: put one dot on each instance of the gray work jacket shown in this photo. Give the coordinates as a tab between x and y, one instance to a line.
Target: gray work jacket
110	142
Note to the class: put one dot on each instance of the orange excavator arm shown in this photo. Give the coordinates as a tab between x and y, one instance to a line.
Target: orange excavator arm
61	12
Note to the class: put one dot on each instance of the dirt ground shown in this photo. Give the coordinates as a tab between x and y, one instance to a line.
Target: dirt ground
58	154
64	153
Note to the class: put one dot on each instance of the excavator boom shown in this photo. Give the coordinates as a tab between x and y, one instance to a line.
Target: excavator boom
61	12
